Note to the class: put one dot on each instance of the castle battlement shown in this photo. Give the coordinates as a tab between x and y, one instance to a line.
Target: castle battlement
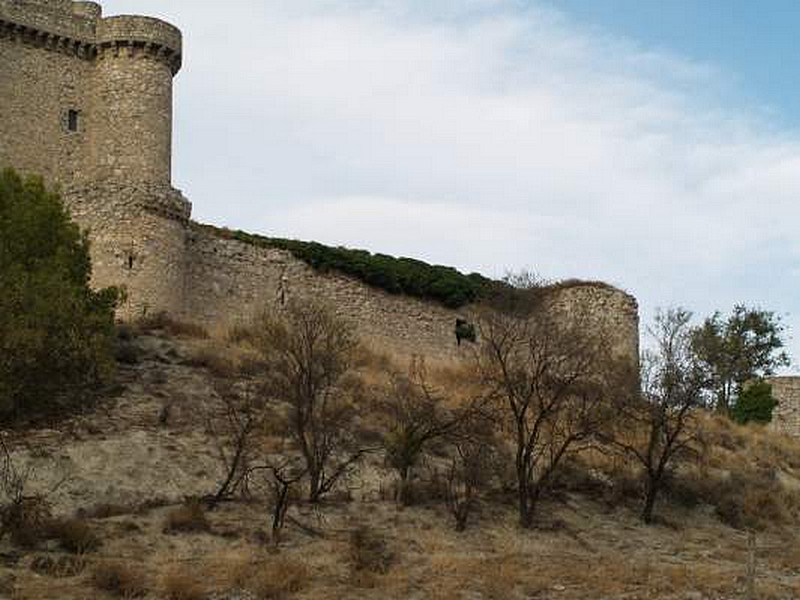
140	35
78	29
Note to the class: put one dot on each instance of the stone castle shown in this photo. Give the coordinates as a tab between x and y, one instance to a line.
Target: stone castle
86	102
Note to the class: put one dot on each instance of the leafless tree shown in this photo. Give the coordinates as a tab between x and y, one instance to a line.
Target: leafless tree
415	417
309	354
548	377
655	427
473	447
283	475
234	428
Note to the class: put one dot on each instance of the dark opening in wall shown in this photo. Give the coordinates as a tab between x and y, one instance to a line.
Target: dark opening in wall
130	261
72	120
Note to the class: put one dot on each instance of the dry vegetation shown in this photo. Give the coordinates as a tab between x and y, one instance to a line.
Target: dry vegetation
133	516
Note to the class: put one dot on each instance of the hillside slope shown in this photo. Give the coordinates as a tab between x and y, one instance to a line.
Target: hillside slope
126	467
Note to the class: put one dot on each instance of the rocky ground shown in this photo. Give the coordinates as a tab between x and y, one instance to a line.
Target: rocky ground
126	468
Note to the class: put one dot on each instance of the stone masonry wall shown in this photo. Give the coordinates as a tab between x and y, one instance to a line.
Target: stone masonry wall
138	238
116	73
37	87
58	56
786	416
131	133
229	281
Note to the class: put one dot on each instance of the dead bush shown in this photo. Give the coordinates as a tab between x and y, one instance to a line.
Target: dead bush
105	511
25	520
369	551
162	321
240	333
177	583
751	498
126	352
120	579
277	579
216	360
63	566
190	517
74	535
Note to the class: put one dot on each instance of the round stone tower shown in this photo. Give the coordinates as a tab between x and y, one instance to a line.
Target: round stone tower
132	131
137	221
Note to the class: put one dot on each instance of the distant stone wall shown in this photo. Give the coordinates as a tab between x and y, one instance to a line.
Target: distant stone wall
786	416
229	281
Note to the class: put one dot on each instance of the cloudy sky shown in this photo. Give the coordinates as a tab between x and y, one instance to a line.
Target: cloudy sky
654	145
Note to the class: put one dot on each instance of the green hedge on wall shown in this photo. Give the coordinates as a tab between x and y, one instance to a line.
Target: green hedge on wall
395	275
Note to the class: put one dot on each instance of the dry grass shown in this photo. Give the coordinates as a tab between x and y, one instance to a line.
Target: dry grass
63	566
277	579
182	582
369	551
215	360
74	535
174	327
120	579
106	510
264	576
188	518
27	521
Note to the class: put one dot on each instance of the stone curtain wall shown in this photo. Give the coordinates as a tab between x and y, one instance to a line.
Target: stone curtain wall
230	281
786	416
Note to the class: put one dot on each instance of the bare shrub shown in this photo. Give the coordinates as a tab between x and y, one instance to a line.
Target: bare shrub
368	551
63	566
188	518
309	356
180	583
241	418
277	579
473	457
415	417
24	517
657	427
283	476
74	535
120	579
547	380
26	520
162	321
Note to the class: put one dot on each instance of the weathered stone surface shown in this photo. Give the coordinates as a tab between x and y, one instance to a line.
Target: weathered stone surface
58	56
786	416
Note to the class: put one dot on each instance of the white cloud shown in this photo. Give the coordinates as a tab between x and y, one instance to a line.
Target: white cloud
489	136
